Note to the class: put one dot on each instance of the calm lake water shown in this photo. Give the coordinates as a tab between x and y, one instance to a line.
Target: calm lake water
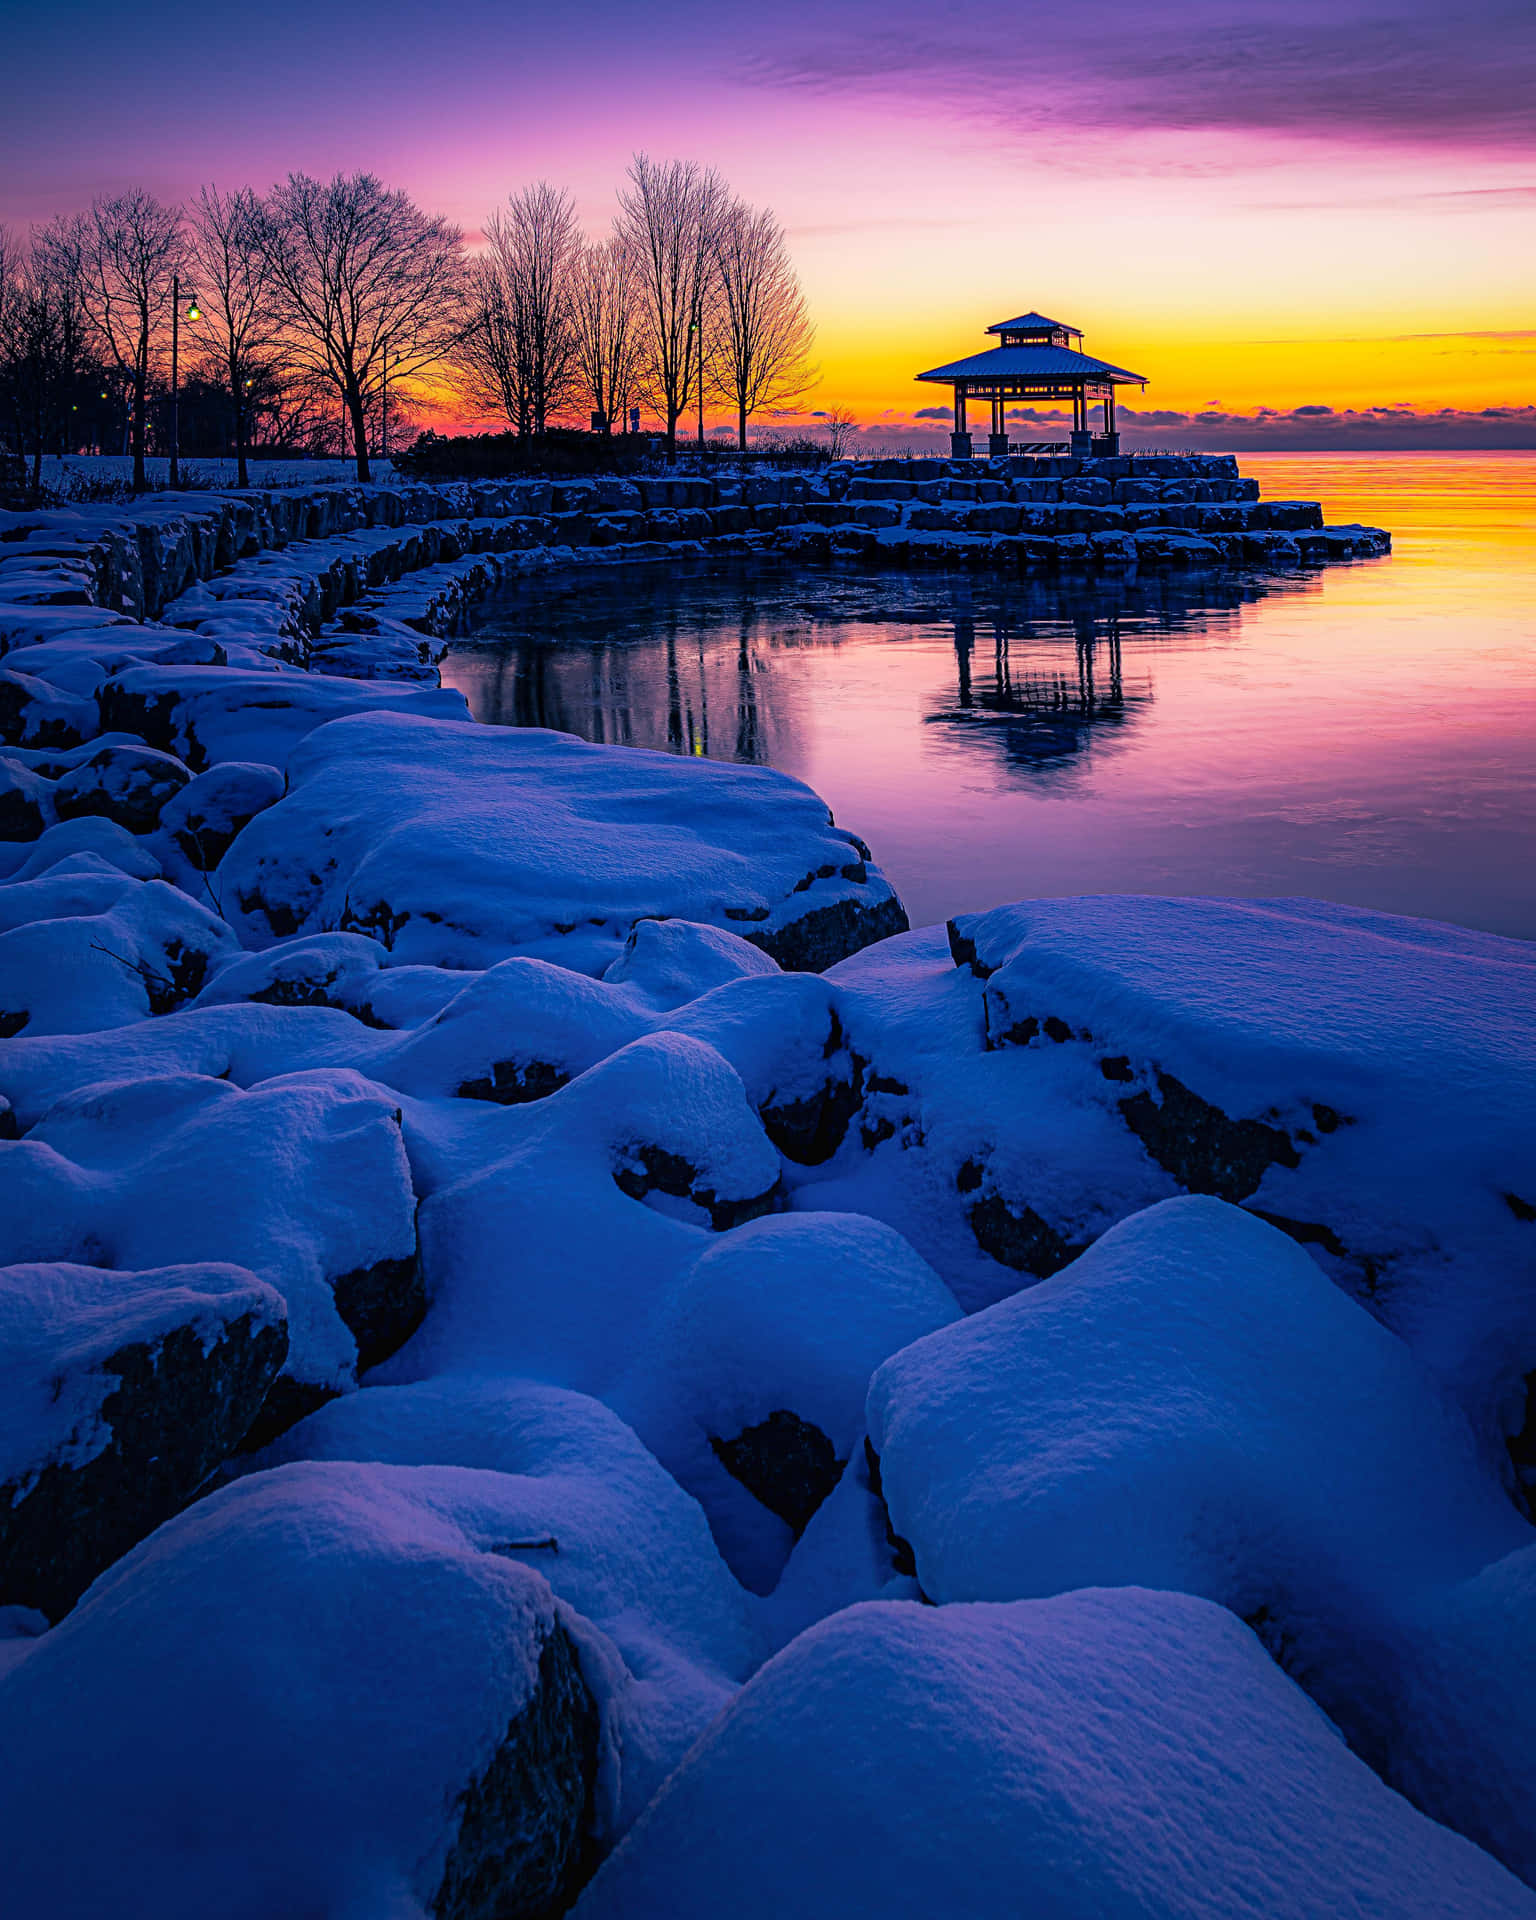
1363	733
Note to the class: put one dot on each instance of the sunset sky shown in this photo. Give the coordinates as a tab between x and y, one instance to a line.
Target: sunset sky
1293	204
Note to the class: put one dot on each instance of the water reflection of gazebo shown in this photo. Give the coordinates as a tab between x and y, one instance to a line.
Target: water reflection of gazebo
1035	360
1042	711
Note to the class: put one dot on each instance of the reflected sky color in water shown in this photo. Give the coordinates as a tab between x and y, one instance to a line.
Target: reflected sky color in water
1363	734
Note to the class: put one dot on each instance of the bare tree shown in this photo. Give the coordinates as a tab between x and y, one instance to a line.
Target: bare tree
360	272
42	338
762	354
235	288
840	427
606	329
132	249
667	218
519	356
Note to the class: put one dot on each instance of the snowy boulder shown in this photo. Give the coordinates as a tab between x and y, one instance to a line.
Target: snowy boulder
127	784
302	1179
328	1689
668	962
578	1211
1260	1051
90	949
464	845
122	1392
615	1536
1193	1405
205	715
26	805
751	1382
204	817
35	713
1365	1082
91	838
1092	1757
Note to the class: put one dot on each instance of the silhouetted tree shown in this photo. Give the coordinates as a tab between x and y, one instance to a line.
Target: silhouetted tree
763	338
360	272
44	361
667	220
606	327
131	248
236	291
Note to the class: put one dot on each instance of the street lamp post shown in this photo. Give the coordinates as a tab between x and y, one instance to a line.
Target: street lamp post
193	313
384	407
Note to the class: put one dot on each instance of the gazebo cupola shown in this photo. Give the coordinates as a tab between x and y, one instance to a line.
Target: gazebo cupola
1035	359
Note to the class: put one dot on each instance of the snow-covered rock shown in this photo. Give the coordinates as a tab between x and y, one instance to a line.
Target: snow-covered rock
204	715
328	1689
302	1179
121	1393
612	1532
1193	1405
127	784
1366	1082
750	1382
93	948
204	817
462	845
1094	1757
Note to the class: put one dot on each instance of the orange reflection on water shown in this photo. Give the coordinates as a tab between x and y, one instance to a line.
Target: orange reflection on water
1364	733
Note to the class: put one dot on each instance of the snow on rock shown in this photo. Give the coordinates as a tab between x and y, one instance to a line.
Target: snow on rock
121	1393
750	1383
204	817
1193	1405
89	949
303	1180
547	1258
1094	1757
36	713
127	784
205	715
26	800
669	962
91	835
616	1537
328	1689
462	845
1364	1081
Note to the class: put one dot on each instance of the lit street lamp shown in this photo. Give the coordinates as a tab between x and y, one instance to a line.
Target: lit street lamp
194	312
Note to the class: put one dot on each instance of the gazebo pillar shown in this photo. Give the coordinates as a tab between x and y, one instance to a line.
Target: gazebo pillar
1082	436
1111	437
960	440
997	444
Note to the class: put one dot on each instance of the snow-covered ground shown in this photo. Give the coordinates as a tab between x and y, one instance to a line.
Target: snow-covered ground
552	1354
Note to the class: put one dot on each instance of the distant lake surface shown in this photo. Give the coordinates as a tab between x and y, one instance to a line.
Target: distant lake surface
1362	733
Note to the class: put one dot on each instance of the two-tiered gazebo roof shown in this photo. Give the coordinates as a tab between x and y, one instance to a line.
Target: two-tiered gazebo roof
1035	360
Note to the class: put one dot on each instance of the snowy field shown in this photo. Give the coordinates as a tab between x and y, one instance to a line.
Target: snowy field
555	1356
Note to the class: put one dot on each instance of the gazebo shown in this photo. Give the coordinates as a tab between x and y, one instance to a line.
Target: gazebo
1035	360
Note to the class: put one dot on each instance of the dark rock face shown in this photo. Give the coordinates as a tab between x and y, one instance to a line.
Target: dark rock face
175	1415
786	1463
1020	1238
127	784
903	1560
662	1172
512	1083
1202	1147
521	1851
809	1131
382	1306
825	935
207	814
23	801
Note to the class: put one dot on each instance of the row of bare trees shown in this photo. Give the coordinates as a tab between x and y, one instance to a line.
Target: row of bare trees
691	297
342	293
